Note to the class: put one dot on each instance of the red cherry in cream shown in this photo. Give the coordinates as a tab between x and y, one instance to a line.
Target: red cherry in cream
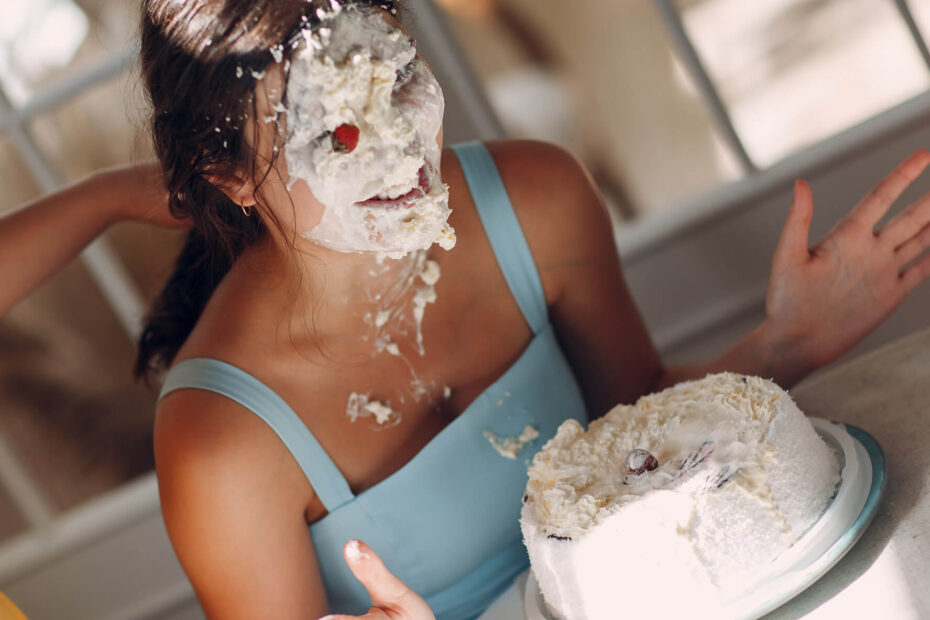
345	138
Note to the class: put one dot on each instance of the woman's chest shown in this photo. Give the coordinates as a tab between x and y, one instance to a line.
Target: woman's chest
373	410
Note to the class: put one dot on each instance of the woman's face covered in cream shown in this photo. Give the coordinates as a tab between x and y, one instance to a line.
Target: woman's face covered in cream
363	117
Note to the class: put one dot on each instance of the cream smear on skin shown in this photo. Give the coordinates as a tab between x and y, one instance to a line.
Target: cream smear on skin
384	195
359	70
394	317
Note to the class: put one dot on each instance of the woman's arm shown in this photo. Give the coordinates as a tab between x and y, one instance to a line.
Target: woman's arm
821	301
40	238
391	599
234	501
571	237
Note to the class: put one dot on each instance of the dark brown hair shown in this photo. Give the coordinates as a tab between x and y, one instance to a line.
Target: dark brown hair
200	62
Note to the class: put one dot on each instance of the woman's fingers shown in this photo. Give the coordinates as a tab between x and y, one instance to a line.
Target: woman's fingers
792	246
906	224
879	200
913	247
390	597
385	589
915	274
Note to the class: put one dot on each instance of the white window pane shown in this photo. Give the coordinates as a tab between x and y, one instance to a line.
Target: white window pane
18	186
70	138
69	407
920	9
793	72
43	40
70	412
624	104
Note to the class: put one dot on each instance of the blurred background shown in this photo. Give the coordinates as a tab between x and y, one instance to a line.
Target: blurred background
694	117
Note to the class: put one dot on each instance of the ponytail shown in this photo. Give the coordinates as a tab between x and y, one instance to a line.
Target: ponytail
200	61
203	262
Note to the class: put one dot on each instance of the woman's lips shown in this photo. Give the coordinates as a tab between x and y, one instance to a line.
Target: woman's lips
405	200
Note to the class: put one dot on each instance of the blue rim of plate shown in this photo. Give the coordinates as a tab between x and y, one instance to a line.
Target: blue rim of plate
838	549
879	481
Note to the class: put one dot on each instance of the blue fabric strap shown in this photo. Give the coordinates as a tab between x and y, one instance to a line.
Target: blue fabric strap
236	384
503	231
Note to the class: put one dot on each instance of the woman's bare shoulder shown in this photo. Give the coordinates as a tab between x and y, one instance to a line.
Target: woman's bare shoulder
233	498
195	418
532	164
205	440
552	192
571	236
527	165
560	209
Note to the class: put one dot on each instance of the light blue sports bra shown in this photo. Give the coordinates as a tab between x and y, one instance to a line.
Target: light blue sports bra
447	522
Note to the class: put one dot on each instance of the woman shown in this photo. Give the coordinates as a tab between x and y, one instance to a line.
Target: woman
334	372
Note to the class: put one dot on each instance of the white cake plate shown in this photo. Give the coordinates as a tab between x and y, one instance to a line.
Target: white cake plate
862	482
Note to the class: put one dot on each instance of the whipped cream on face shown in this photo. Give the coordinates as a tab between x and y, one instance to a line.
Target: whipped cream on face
384	194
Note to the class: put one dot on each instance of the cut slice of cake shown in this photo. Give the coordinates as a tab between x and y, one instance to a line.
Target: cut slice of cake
673	504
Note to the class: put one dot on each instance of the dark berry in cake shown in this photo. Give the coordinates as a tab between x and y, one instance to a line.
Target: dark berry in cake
698	456
638	462
723	476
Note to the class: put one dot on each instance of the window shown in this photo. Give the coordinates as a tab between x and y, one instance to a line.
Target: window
793	72
73	421
665	100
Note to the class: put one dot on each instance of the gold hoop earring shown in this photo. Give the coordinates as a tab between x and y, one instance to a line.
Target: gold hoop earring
246	210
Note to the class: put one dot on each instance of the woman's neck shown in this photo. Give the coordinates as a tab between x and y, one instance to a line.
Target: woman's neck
337	293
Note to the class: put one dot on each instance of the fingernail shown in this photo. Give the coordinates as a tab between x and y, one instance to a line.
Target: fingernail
354	551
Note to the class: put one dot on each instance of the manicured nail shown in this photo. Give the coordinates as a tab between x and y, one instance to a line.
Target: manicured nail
354	551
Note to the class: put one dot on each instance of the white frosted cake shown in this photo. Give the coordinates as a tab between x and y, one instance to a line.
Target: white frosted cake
671	505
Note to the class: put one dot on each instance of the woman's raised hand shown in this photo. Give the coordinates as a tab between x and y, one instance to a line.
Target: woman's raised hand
823	299
390	598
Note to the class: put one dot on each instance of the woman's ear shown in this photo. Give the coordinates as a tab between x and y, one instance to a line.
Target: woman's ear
239	190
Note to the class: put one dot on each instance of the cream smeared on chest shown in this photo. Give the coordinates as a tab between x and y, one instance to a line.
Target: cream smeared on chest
399	299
